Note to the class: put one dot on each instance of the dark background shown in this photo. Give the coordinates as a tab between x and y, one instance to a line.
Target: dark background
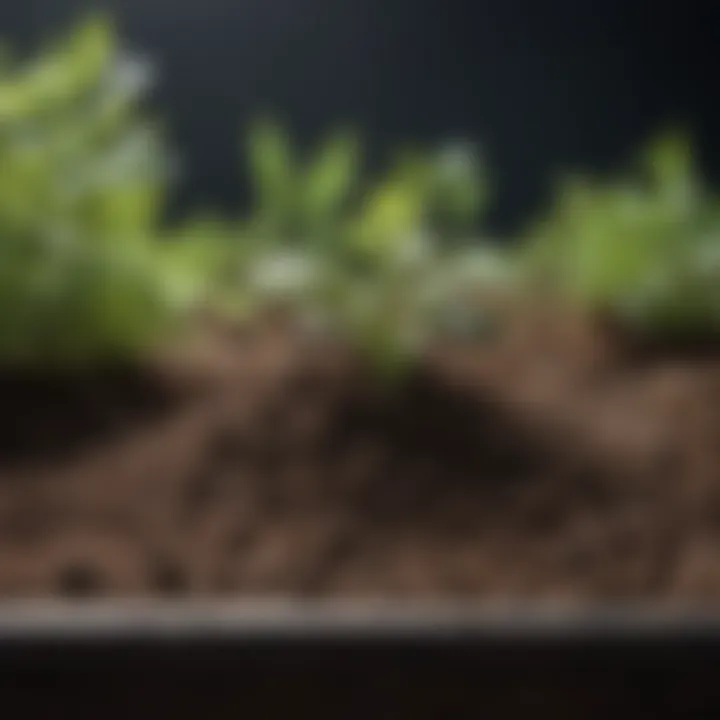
544	85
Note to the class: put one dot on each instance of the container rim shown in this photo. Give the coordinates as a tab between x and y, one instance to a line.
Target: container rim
380	642
350	619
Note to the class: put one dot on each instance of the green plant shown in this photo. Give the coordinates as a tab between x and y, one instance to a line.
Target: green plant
374	262
88	272
417	268
296	202
84	276
644	249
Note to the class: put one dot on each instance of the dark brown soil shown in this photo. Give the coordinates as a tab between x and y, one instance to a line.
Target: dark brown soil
552	464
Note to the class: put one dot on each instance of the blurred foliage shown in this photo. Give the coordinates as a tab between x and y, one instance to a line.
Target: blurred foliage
299	202
361	258
643	248
83	275
88	271
311	200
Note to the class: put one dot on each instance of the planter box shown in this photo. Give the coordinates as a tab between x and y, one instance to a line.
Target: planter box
479	479
414	659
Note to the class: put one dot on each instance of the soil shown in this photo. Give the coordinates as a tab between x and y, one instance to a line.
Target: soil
553	462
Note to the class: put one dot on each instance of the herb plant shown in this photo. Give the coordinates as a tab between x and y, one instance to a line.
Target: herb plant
373	261
89	273
644	249
84	276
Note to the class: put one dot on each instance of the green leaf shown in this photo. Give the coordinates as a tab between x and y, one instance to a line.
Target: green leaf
83	277
633	248
329	182
460	188
273	175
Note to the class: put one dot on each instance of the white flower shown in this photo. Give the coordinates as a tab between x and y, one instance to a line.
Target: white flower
284	273
458	158
415	251
132	75
707	257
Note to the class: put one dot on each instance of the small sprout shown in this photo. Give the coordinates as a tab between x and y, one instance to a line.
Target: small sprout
84	276
644	252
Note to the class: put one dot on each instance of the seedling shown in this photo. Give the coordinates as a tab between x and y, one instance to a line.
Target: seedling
83	169
378	262
88	273
644	250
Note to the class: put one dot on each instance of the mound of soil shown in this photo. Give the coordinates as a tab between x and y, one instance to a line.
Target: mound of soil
550	464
